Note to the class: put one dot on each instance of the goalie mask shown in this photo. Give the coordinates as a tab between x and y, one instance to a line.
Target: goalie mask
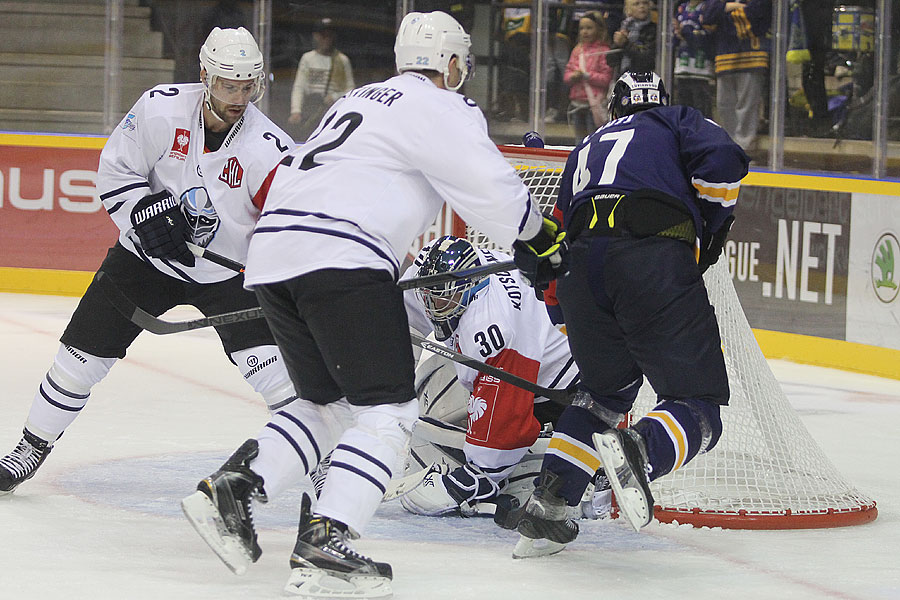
445	304
635	92
427	42
233	67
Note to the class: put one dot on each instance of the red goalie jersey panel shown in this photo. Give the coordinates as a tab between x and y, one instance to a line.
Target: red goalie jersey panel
501	415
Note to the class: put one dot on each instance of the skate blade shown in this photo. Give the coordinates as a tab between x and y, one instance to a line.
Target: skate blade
207	521
317	584
527	547
632	502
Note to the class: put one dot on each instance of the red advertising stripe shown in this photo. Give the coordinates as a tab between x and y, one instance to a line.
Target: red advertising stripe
50	214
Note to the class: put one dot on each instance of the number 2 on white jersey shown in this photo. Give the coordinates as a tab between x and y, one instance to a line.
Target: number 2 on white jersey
582	176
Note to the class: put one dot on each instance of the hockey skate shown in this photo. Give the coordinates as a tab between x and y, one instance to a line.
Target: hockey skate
459	492
323	565
221	512
596	503
624	458
21	463
544	522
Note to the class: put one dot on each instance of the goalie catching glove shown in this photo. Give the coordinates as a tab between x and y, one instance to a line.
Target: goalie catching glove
544	257
711	245
161	227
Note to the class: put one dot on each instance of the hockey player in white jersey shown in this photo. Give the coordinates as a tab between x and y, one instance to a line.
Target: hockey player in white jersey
182	166
338	214
498	320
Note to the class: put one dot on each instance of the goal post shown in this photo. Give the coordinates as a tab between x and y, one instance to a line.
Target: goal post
766	472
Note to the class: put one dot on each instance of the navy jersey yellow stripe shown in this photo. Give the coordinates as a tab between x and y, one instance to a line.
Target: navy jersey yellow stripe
740	36
672	149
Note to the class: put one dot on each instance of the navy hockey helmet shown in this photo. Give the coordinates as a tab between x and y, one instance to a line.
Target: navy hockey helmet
445	303
634	92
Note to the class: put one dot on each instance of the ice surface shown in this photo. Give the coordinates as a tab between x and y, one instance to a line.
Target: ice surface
101	520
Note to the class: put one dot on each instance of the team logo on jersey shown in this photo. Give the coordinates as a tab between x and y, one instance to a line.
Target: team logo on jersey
201	215
481	411
129	122
180	144
477	407
233	173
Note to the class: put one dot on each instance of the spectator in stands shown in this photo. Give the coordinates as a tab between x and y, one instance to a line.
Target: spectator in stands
637	38
693	59
739	31
323	75
817	16
588	76
515	64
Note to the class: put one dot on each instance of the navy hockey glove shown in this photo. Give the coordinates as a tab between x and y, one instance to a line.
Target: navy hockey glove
711	245
544	257
162	228
533	139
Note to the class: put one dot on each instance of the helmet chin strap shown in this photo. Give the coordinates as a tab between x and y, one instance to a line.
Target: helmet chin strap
207	101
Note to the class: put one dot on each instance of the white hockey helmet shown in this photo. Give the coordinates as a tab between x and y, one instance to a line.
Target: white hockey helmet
427	41
233	54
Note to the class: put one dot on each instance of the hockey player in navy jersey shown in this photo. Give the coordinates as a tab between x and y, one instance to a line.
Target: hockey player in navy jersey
337	216
646	201
182	166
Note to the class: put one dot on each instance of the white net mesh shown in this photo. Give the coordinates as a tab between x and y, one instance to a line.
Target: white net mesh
766	471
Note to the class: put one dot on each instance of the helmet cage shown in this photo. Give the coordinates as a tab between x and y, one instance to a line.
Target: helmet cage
232	54
445	303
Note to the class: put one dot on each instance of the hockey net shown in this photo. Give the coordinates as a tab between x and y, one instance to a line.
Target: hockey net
766	472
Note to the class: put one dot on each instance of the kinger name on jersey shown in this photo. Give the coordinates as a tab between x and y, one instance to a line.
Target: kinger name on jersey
378	93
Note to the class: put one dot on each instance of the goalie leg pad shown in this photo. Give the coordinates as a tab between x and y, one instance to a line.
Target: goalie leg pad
456	492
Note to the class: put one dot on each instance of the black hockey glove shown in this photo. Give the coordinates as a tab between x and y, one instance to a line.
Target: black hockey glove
711	245
544	257
162	228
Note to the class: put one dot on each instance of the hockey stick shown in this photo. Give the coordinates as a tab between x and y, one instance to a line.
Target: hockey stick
222	261
478	271
145	320
560	396
406	284
158	326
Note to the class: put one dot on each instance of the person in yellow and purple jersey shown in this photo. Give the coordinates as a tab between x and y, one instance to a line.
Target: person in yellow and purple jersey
641	199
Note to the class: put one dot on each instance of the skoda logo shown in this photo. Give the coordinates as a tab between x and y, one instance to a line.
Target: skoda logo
884	274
